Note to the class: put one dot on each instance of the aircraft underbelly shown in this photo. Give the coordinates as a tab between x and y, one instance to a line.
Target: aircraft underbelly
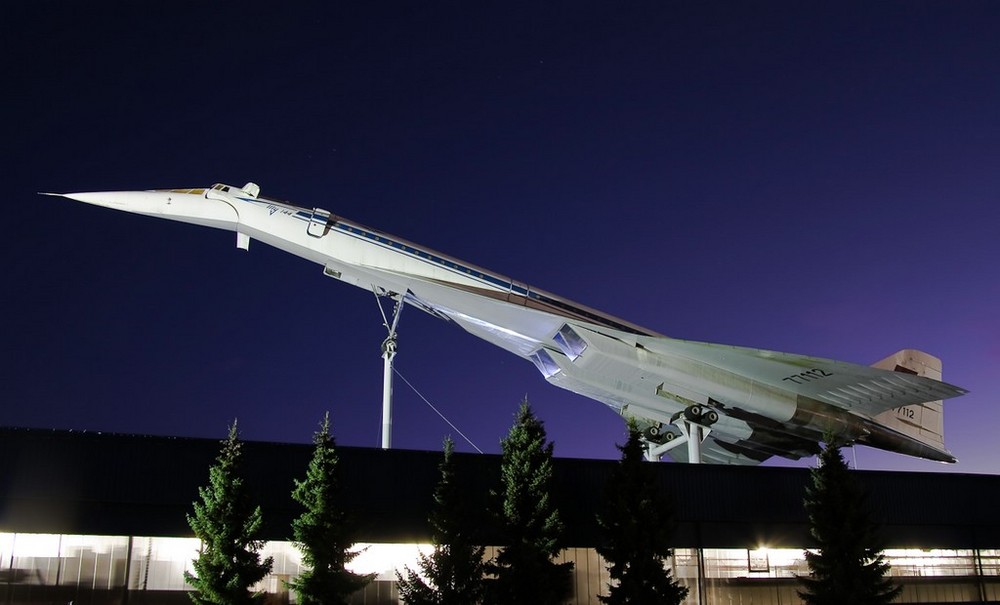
611	371
758	420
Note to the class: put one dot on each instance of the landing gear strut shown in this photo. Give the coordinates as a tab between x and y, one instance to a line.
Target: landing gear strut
694	423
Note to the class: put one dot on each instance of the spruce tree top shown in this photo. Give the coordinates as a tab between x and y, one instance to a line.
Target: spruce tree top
524	567
848	566
453	572
526	478
323	532
228	525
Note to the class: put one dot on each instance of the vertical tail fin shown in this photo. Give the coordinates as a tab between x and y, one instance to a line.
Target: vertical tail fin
923	422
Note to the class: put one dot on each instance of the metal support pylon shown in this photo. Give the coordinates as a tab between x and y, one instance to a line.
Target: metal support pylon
389	348
692	434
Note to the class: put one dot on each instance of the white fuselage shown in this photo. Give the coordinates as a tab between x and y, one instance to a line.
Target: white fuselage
769	403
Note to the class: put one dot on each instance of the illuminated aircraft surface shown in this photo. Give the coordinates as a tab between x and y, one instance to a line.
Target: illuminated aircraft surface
726	404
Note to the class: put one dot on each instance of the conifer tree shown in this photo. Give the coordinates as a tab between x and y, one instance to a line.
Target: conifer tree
323	531
848	566
454	570
531	527
228	525
636	528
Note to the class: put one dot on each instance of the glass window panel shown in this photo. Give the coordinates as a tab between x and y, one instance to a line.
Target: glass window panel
571	344
735	563
930	562
99	563
166	561
385	559
35	558
989	561
6	552
96	562
544	362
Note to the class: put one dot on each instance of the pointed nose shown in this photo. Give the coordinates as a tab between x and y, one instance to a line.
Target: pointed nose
132	201
93	197
186	206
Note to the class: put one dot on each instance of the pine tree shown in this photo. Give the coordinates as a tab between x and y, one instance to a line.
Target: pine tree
454	570
323	532
228	525
848	566
636	529
530	523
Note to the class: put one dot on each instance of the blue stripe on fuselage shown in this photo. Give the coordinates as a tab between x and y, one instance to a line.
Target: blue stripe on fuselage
381	240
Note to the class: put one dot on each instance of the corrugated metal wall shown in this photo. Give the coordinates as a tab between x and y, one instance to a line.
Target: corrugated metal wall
91	483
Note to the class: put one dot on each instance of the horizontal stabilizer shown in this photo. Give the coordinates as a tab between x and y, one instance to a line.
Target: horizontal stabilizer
923	422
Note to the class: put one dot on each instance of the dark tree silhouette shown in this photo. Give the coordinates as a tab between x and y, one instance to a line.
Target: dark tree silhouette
636	528
848	566
454	571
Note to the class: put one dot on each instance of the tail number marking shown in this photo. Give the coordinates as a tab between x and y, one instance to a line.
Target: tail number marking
807	376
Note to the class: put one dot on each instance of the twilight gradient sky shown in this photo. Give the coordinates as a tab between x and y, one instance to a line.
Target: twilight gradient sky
816	178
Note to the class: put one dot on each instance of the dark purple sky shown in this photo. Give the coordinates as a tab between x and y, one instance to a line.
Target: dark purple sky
816	178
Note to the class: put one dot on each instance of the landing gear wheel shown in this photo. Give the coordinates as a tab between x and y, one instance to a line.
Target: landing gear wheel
693	413
656	434
651	433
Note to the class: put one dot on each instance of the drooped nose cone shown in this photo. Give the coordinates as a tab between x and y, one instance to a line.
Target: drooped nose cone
175	205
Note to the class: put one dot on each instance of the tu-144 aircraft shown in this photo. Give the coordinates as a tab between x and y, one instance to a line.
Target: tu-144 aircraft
726	404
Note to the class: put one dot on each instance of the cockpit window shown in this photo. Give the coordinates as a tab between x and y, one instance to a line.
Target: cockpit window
221	187
198	191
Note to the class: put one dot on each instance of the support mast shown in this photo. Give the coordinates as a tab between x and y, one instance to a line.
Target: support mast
389	347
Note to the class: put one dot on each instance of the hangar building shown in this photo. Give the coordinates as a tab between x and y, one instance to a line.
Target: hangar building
96	519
